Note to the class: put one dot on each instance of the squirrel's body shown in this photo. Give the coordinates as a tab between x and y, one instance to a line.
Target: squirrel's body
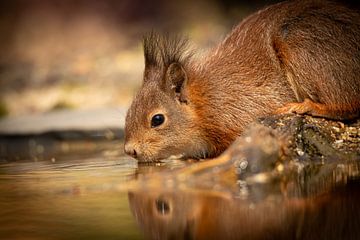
301	57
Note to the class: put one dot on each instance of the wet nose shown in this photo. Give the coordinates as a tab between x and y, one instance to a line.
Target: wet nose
130	150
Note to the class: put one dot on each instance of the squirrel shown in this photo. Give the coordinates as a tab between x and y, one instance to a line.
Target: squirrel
292	57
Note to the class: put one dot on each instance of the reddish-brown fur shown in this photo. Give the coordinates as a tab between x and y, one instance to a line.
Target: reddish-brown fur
301	56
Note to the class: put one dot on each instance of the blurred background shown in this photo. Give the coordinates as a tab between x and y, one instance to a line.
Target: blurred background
81	54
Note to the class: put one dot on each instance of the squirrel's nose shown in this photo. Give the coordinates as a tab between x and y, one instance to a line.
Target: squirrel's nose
130	150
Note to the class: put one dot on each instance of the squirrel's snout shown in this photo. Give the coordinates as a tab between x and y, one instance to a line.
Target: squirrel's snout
130	150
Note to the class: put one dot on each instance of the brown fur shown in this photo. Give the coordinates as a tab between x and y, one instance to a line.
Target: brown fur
301	56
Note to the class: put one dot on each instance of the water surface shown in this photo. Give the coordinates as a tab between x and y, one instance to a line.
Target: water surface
77	199
109	196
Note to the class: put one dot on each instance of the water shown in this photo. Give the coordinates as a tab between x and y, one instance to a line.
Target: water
77	199
109	196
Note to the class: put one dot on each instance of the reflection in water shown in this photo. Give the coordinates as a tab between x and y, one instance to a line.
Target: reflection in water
320	202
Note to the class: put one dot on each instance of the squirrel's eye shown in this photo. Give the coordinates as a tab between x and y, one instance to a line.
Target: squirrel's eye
162	206
157	120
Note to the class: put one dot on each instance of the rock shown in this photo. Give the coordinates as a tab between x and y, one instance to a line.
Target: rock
310	138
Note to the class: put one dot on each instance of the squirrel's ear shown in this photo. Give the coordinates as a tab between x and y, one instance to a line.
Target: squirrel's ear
176	80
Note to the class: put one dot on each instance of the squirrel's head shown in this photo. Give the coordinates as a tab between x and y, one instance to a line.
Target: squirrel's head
161	122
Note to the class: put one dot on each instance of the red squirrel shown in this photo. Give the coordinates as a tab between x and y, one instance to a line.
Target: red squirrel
292	57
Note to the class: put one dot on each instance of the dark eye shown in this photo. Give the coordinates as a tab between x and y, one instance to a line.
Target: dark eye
162	206
157	120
